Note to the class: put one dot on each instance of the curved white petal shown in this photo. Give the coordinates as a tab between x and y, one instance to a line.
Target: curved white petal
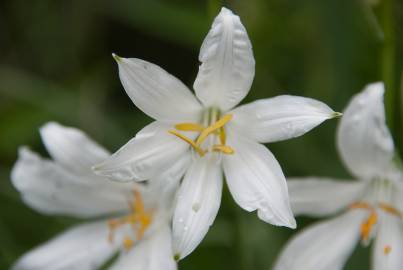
228	67
316	196
323	246
145	156
71	147
363	139
49	188
156	92
84	247
279	118
165	185
388	246
153	253
198	201
256	182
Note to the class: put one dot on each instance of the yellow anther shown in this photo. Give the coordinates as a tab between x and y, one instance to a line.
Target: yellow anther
223	148
189	127
389	209
387	249
189	141
362	205
139	219
128	243
368	225
210	129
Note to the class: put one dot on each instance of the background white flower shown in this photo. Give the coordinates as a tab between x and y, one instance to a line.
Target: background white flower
125	218
219	137
371	207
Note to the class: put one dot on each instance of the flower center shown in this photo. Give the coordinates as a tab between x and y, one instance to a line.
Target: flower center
372	219
214	127
139	220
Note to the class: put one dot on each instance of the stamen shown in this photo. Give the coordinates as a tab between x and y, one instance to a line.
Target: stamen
128	243
210	129
367	226
387	249
139	219
390	209
189	127
189	141
223	148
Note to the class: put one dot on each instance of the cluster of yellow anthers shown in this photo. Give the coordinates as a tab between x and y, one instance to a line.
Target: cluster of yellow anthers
217	129
139	219
370	222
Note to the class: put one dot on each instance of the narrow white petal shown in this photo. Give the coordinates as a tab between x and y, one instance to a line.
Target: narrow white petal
49	188
84	247
198	202
256	182
152	253
156	92
388	246
71	147
363	138
228	66
152	151
317	196
280	118
323	246
398	195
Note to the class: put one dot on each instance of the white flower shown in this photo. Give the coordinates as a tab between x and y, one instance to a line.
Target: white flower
370	208
125	218
214	135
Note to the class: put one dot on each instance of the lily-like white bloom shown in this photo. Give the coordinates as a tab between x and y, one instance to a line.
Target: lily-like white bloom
212	133
369	208
125	218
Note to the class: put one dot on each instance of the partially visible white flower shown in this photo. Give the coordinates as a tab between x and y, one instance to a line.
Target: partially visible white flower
370	208
219	136
125	218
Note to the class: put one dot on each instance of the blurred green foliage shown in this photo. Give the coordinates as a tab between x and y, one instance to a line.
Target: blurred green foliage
56	65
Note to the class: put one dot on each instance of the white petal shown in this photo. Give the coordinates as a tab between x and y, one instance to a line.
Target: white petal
152	151
49	188
388	246
364	140
156	92
256	182
198	202
153	253
323	246
280	118
316	196
228	67
71	147
84	247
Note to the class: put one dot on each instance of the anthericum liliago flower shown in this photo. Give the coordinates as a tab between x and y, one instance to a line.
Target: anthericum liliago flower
370	208
125	218
215	135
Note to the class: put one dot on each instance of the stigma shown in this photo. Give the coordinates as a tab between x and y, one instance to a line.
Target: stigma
215	128
139	221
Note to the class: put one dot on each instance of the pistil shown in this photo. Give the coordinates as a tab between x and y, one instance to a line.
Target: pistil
215	129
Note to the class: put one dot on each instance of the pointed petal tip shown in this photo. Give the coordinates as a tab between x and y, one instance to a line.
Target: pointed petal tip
337	115
177	257
116	57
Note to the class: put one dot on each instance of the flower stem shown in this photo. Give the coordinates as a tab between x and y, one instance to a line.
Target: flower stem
388	55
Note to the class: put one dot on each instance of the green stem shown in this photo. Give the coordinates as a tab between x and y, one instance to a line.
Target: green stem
388	59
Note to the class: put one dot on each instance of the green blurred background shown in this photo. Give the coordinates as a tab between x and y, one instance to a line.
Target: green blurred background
56	65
